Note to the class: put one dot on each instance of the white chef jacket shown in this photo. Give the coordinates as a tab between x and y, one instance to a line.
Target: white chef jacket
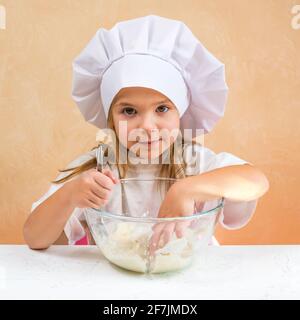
234	215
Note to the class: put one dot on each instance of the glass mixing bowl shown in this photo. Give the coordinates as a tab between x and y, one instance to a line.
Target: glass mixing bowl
123	232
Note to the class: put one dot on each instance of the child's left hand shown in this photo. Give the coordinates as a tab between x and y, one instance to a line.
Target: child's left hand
175	204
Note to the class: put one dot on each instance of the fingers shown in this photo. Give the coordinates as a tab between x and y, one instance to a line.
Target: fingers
180	228
100	192
109	174
103	180
166	234
96	201
199	206
162	233
90	203
153	244
100	186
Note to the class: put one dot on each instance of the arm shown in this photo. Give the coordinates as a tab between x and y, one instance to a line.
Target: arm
235	183
45	224
90	189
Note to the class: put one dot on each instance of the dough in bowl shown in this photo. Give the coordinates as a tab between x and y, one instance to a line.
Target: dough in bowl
127	247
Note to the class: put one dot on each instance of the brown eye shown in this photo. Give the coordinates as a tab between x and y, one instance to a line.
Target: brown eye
129	111
162	108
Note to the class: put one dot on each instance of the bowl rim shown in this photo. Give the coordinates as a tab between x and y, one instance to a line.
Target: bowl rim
210	212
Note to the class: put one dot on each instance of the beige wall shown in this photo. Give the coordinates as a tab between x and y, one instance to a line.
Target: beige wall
42	129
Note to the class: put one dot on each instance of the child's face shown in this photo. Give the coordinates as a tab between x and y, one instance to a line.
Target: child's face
152	120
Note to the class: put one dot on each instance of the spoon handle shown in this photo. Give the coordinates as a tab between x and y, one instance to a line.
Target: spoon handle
99	158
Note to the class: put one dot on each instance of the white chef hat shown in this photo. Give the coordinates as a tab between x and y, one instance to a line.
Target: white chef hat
153	52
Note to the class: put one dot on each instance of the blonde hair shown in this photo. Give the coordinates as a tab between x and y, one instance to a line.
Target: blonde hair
170	170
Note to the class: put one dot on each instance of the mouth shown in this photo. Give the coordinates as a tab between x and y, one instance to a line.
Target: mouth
149	143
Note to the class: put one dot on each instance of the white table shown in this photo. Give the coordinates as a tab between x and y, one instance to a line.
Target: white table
81	272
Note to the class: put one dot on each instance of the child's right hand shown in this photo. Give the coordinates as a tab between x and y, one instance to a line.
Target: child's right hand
92	188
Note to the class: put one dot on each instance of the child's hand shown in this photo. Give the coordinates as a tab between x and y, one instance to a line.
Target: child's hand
92	189
175	204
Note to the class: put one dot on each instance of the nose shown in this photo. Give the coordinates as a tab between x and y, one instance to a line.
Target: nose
149	125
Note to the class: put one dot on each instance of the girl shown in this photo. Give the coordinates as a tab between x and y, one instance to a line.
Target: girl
147	78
